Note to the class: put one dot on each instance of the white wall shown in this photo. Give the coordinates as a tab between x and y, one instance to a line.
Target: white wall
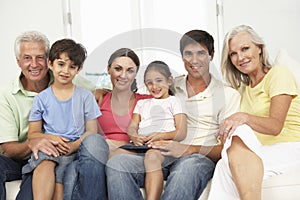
151	28
274	20
18	16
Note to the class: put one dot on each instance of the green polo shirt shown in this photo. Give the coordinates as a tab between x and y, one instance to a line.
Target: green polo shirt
15	106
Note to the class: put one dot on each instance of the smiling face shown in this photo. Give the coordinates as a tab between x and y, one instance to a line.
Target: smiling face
244	54
196	60
33	60
122	73
63	70
157	84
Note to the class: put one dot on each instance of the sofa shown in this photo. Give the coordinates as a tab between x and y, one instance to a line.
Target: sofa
284	186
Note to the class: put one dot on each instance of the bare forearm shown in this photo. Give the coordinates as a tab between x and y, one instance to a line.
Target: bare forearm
16	150
75	145
176	149
172	135
178	134
272	124
32	135
132	131
181	127
212	152
265	125
86	134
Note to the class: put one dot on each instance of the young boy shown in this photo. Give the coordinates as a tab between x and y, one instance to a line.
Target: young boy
64	113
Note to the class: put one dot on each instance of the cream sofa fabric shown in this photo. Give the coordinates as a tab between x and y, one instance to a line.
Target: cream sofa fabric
284	59
12	189
281	187
285	186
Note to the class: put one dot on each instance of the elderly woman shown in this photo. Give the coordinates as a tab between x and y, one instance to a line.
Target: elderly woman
263	139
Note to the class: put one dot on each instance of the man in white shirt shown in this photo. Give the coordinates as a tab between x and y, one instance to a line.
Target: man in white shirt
208	102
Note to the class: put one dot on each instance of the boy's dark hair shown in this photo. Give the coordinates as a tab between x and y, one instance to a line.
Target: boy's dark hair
197	36
75	51
163	69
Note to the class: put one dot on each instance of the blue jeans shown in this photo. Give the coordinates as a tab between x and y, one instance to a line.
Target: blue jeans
85	177
10	170
186	178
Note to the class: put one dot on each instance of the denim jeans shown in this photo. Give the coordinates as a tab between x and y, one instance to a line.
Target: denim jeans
187	177
25	192
85	177
10	170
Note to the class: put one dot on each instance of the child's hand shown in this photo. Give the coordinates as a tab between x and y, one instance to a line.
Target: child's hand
139	140
72	148
154	137
62	146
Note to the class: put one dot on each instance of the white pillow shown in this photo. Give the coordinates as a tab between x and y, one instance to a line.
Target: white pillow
284	59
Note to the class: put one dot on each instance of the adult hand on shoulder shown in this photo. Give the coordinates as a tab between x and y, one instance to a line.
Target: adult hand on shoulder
170	148
44	145
230	124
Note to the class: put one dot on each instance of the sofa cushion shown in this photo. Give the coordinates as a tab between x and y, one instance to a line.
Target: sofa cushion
285	186
284	59
12	189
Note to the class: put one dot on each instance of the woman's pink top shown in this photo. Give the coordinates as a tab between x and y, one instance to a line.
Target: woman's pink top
115	126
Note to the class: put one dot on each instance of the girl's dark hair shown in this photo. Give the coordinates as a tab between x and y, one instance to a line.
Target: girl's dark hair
75	51
126	52
163	69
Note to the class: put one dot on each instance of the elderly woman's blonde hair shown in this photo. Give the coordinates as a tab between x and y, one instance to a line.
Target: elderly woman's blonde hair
233	75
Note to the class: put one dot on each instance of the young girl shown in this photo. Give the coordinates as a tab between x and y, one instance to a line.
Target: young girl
63	113
158	118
